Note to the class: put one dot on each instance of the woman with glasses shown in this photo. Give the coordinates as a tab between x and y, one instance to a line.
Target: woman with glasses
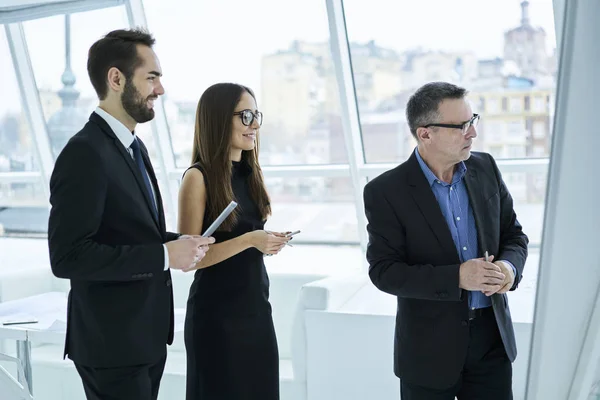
229	335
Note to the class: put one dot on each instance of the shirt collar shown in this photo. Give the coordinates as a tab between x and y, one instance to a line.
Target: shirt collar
430	176
123	134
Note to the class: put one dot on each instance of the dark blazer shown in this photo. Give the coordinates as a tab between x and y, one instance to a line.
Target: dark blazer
411	255
103	236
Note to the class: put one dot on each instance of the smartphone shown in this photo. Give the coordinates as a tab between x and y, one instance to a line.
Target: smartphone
224	214
19	321
292	234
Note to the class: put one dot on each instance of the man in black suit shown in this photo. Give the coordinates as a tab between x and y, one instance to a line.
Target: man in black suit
431	220
107	232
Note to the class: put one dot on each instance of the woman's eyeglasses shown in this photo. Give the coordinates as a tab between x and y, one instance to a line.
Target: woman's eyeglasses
248	116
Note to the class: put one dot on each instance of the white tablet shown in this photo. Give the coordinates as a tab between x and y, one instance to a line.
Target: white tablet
224	214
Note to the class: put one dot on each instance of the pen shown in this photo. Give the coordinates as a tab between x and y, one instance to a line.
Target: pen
5	323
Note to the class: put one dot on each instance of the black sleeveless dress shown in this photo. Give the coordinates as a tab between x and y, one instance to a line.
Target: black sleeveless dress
230	340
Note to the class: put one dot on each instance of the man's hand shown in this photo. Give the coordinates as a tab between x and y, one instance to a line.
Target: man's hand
508	280
185	253
205	241
204	248
478	274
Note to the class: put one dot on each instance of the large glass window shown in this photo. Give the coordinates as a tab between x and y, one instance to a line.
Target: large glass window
286	61
503	61
502	52
323	208
289	66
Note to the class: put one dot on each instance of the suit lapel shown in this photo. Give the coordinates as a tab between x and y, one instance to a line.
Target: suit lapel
429	207
476	201
138	177
131	164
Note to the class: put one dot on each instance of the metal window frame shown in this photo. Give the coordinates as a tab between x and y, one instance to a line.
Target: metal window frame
310	171
31	103
342	61
372	170
26	12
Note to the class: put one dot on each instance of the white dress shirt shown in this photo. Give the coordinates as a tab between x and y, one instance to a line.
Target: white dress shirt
126	137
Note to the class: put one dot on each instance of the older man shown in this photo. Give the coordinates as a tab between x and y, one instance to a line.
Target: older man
431	221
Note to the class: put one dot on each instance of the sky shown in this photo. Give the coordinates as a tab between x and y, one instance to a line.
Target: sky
203	42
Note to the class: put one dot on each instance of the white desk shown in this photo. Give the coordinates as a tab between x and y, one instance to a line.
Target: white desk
50	309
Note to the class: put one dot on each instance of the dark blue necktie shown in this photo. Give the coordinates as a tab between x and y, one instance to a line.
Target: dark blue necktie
137	156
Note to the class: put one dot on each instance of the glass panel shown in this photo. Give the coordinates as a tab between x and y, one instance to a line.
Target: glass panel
23	205
286	61
322	208
508	63
528	190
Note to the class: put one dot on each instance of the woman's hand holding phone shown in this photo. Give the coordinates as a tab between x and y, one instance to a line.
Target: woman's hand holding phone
268	242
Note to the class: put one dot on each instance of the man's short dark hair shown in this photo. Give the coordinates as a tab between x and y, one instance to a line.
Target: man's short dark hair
117	49
422	107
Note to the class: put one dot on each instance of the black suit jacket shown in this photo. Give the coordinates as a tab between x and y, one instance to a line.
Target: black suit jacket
411	255
103	236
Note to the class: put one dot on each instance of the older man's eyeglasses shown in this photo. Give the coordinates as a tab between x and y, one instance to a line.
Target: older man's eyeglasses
462	126
248	116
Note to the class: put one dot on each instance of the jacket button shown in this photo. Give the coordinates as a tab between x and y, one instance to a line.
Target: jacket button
168	282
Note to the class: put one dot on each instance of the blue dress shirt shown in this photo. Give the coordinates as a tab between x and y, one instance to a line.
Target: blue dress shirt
453	200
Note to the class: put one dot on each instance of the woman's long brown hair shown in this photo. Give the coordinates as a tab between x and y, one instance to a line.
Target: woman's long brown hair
212	151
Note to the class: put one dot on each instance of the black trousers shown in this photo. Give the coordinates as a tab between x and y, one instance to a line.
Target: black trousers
139	382
487	373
